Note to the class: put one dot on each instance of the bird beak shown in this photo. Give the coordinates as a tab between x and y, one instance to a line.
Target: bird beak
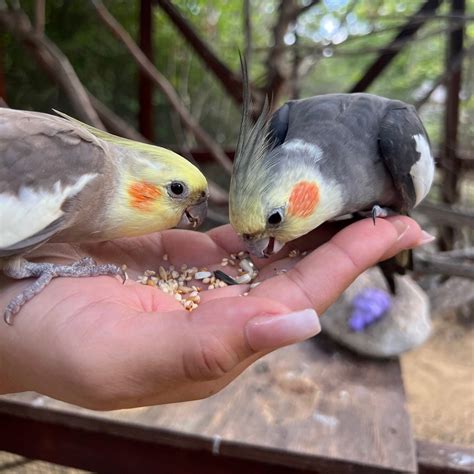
193	216
263	248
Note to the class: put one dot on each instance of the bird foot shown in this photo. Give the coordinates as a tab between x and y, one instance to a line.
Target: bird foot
45	272
377	211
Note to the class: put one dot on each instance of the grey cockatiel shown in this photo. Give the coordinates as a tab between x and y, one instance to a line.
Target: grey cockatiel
320	158
63	181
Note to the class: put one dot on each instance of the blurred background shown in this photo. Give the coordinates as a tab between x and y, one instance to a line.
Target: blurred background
168	72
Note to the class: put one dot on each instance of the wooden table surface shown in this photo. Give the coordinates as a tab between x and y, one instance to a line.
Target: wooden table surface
309	406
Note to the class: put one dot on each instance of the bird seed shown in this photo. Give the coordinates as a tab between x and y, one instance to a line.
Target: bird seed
174	282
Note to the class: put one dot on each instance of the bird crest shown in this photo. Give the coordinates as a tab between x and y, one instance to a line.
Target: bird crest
254	140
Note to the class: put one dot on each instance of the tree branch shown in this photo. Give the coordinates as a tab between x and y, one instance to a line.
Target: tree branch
147	67
53	61
406	32
443	78
120	127
145	85
288	13
39	16
113	122
305	8
229	80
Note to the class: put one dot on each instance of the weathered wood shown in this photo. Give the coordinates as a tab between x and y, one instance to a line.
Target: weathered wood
437	458
312	406
450	161
435	264
103	451
446	214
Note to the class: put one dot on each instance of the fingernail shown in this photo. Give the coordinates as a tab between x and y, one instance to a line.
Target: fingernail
270	332
401	227
426	238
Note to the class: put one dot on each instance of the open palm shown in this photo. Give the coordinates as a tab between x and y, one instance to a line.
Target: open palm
104	345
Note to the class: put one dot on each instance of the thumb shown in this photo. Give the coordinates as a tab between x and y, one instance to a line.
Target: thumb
222	333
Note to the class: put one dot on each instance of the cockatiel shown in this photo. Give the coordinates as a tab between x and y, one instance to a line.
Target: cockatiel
321	158
64	181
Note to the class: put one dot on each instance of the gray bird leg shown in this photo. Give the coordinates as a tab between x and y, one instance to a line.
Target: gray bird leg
45	272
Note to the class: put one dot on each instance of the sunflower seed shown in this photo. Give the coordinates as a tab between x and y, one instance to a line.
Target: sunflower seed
202	275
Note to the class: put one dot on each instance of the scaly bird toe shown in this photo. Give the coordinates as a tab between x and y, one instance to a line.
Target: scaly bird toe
45	272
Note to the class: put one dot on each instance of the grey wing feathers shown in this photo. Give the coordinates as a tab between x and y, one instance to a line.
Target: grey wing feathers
34	240
405	148
45	161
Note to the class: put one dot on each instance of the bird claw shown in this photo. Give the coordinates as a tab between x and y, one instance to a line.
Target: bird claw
374	215
8	317
378	211
123	274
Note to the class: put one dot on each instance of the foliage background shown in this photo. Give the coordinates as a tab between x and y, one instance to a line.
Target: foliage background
340	36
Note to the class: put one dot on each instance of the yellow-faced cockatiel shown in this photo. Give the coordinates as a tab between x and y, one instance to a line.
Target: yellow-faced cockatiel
320	158
64	181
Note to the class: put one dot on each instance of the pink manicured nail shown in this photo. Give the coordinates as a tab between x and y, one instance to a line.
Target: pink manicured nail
401	227
426	238
270	332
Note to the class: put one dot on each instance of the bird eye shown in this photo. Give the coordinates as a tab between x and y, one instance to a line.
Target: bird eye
176	188
275	218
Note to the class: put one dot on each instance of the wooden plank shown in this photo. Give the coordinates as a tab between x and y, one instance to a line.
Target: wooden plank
302	407
440	458
104	452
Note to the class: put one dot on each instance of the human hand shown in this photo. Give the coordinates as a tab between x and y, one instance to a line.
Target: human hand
103	345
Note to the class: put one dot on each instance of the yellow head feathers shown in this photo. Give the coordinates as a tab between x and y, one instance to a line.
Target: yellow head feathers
156	189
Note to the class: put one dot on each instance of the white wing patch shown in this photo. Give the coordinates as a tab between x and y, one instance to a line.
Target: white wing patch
30	211
300	146
422	172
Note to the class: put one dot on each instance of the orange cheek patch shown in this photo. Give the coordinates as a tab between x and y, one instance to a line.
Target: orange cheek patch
303	199
142	195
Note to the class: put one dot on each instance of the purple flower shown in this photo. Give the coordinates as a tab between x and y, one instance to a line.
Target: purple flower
368	306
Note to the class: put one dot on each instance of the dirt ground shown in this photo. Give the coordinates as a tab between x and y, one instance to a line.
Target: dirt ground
439	382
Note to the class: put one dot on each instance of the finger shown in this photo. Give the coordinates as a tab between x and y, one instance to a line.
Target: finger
318	279
226	239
